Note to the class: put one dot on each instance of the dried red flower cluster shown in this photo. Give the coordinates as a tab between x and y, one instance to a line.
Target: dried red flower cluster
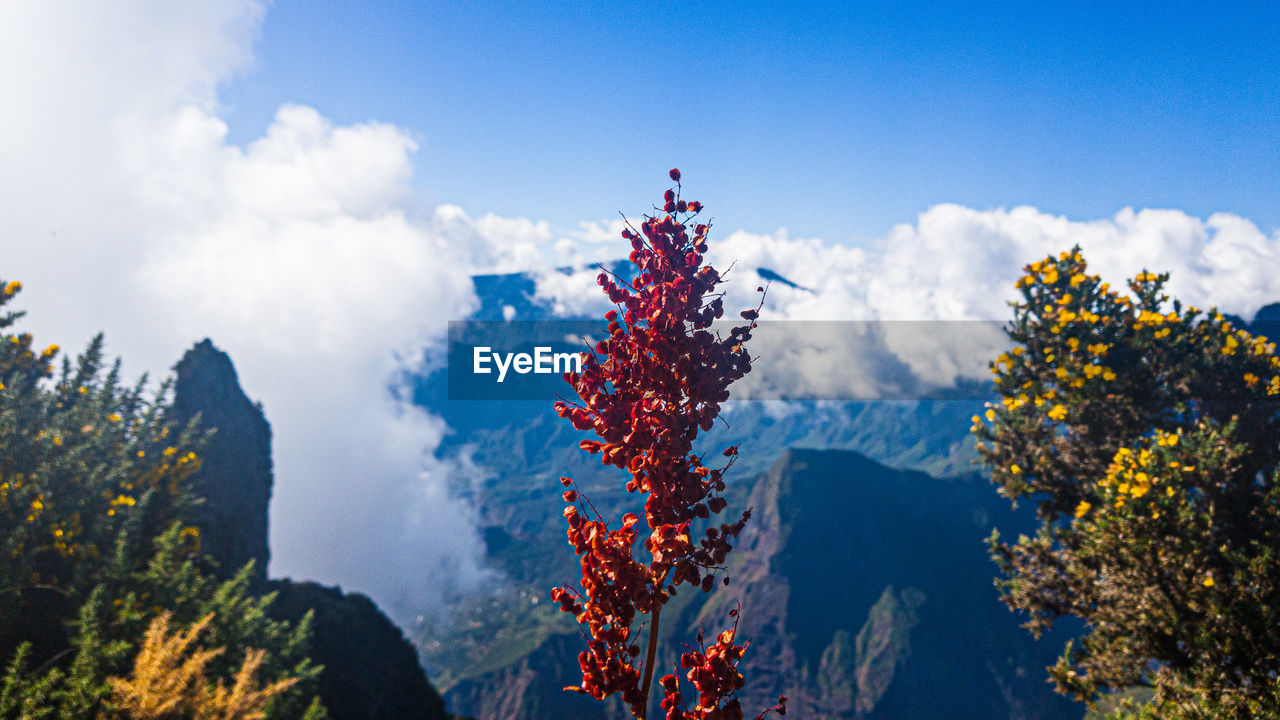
646	391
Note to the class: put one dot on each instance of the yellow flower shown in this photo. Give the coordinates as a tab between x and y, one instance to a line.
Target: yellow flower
1108	375
1208	581
114	417
1250	379
13	287
1058	412
1083	508
1051	276
1077	279
1014	469
991	415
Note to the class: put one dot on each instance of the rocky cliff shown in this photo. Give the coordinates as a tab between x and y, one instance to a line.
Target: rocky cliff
235	472
371	672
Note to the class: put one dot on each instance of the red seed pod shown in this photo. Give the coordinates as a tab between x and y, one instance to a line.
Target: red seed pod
646	392
675	174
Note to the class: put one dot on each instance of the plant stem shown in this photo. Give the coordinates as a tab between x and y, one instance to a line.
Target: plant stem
648	660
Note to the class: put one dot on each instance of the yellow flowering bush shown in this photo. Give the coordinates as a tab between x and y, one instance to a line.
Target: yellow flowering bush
97	540
1145	433
82	458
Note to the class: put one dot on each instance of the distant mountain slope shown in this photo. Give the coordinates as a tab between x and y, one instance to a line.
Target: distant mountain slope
873	597
867	593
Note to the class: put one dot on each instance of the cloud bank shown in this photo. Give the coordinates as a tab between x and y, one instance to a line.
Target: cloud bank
124	209
953	264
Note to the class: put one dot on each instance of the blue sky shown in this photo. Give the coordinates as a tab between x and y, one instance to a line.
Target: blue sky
833	120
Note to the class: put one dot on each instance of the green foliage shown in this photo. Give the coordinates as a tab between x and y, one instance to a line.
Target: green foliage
81	463
95	503
112	621
1145	433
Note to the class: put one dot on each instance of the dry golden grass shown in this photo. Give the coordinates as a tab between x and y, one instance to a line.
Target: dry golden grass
169	681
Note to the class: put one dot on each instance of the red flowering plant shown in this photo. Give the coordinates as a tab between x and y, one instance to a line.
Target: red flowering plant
646	391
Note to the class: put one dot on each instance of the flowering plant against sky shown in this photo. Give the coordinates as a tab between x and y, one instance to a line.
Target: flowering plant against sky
1145	432
646	391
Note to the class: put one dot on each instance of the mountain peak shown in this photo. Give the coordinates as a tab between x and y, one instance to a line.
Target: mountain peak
235	475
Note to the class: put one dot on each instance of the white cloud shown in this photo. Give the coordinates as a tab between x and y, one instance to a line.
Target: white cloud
953	263
956	263
123	208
